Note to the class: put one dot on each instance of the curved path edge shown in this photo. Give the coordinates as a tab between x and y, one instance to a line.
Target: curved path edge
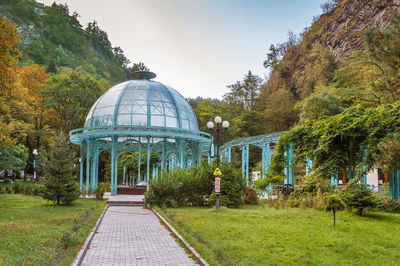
183	241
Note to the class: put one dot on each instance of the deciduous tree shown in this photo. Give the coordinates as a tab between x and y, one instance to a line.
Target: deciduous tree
70	96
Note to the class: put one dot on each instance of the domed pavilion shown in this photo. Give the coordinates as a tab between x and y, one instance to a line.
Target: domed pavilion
140	115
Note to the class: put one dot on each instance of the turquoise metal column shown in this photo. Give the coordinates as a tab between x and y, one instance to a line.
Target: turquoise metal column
398	182
364	167
308	165
157	171
289	168
351	173
394	182
148	163
96	177
139	160
334	179
93	168
164	155
114	151
266	159
181	154
124	175
87	165
116	173
229	155
245	163
82	160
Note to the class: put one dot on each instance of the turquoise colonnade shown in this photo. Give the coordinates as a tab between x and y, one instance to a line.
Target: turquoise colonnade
267	144
139	116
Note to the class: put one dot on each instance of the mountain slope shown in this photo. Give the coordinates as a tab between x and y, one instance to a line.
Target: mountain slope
53	38
312	62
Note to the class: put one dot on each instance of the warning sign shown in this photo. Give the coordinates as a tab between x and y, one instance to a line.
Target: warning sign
217	172
217	185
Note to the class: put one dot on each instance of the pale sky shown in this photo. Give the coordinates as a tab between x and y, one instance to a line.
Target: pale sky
198	47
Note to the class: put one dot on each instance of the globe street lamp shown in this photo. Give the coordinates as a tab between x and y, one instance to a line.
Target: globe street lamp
216	130
35	153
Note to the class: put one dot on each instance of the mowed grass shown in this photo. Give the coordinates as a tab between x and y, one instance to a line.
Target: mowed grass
258	235
31	229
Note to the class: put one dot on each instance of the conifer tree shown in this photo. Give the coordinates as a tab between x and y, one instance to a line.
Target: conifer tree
59	184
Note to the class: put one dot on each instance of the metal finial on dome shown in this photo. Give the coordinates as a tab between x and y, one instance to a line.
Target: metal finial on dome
143	75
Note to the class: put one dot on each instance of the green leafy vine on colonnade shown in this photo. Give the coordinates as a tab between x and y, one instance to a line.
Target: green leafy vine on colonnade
334	142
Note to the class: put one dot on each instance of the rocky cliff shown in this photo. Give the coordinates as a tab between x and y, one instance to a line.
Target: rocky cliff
330	39
344	26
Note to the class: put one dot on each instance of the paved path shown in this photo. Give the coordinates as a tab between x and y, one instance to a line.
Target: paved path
134	236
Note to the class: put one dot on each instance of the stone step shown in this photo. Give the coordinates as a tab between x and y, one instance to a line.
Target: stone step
125	203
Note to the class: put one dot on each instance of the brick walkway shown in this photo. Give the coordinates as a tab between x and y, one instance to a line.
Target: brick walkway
134	236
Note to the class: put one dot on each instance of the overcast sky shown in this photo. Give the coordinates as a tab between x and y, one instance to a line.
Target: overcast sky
198	47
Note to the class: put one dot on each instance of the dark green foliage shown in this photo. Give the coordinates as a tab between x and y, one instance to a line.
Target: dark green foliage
27	188
251	196
244	93
59	185
181	187
310	192
358	196
70	96
99	191
388	206
13	158
330	141
334	203
195	186
233	187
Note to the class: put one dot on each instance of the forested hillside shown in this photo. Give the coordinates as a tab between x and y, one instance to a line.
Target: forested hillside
321	55
52	37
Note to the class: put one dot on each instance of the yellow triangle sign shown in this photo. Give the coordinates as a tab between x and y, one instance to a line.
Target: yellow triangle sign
217	171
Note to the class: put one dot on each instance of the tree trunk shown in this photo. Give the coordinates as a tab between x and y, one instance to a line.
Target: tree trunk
334	218
58	200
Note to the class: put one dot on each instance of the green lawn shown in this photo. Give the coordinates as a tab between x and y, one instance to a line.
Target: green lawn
258	235
34	232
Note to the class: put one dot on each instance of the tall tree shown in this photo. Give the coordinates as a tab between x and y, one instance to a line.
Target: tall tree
244	93
59	183
279	113
70	97
30	81
9	55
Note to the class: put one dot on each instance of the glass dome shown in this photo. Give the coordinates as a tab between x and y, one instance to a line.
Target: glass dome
142	102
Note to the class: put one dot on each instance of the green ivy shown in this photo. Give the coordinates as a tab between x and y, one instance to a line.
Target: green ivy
337	141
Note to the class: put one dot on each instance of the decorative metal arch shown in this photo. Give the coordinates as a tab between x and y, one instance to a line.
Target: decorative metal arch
266	143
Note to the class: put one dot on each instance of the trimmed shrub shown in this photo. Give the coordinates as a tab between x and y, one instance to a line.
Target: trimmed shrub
195	186
334	203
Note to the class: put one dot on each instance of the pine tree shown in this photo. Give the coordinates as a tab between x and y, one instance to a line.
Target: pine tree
59	184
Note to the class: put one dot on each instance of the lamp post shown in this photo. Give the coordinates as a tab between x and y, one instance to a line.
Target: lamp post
216	130
35	153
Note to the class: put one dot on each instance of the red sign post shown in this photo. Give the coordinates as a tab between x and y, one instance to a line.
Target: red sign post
217	185
217	174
